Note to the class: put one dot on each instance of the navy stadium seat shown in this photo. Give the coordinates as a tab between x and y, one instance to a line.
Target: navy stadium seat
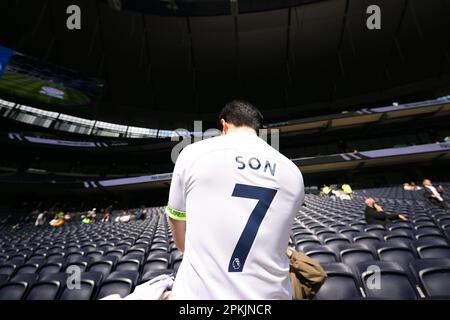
433	275
431	249
47	287
104	265
355	253
340	283
392	283
401	254
321	253
16	287
118	282
89	283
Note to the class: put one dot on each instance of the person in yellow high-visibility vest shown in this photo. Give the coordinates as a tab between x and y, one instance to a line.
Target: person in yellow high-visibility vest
347	189
325	190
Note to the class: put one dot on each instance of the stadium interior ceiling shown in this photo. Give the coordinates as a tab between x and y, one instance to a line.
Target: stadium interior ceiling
168	66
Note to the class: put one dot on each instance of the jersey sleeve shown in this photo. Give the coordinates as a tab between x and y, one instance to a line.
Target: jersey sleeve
176	207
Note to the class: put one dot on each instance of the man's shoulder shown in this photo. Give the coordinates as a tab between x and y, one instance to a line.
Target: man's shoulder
203	146
292	167
197	149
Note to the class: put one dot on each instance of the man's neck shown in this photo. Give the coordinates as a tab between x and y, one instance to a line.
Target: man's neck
243	129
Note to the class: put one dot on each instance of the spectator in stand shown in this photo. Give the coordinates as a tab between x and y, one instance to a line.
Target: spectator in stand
57	221
17	226
434	194
410	186
328	192
144	213
67	216
138	215
347	189
106	217
126	217
375	214
40	220
92	214
325	191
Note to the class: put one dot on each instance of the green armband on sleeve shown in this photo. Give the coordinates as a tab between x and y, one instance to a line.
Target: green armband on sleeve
175	214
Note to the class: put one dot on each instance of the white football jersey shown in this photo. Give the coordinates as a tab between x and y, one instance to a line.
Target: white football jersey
239	197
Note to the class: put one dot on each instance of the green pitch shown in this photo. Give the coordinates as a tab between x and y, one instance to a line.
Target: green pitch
28	87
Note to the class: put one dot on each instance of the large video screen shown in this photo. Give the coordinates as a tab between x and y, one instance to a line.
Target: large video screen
27	80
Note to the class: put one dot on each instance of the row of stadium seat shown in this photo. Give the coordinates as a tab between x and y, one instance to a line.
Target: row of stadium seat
412	256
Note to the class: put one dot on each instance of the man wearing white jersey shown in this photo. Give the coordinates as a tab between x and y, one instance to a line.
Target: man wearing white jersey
231	206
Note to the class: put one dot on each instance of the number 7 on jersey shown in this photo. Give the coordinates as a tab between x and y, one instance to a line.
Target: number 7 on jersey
245	242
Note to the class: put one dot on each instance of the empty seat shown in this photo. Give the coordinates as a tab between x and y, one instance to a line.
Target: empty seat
95	255
175	259
123	245
320	253
400	226
104	266
88	247
115	252
374	227
72	248
55	249
366	239
105	246
398	239
386	280
17	258
44	290
89	283
306	241
155	264
48	287
55	257
73	256
360	226
50	268
3	278
401	254
160	246
118	282
128	264
335	241
172	247
355	253
37	256
28	268
340	283
435	235
16	287
430	249
82	263
137	250
379	233
7	268
321	233
12	290
433	275
349	233
29	278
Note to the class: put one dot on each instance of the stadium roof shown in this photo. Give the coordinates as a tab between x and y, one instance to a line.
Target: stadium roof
320	164
62	122
166	68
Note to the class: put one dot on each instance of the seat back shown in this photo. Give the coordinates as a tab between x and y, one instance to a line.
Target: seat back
433	275
340	283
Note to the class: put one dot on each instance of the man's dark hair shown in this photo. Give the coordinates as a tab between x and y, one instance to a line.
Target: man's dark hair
242	113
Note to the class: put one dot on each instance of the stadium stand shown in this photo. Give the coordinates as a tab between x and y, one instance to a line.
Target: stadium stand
413	257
